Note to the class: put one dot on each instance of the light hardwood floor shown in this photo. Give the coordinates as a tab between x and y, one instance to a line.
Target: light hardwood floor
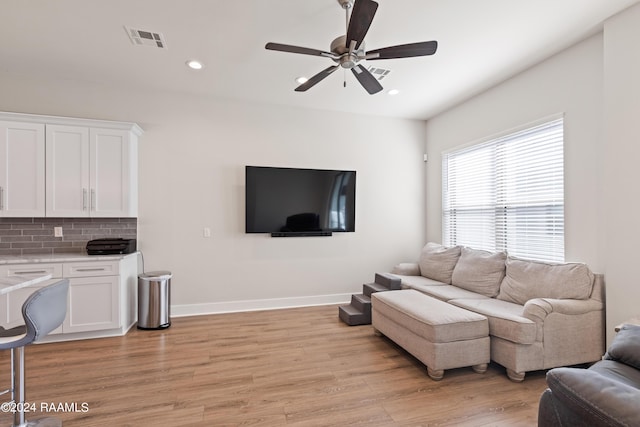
299	367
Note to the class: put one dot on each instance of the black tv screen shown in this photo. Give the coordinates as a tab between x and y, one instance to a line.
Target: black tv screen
285	201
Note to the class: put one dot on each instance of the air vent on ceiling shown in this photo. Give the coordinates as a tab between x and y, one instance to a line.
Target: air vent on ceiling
379	73
146	38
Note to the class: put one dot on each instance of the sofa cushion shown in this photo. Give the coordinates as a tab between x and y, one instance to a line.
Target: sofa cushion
625	347
618	371
479	271
505	318
437	262
447	292
406	269
416	282
525	280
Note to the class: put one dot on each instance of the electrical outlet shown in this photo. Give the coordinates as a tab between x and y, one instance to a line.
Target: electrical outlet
57	231
206	232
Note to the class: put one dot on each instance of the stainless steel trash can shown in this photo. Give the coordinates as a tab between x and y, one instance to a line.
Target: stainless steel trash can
154	299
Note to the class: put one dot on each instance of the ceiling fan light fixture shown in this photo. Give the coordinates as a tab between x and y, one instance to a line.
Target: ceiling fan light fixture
393	92
194	64
301	80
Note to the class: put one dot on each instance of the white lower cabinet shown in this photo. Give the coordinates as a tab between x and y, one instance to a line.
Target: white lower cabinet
101	301
90	282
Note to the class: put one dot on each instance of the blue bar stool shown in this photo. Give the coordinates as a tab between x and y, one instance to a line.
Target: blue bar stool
43	312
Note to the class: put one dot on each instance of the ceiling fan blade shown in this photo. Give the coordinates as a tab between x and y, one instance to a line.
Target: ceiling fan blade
298	49
360	21
316	79
366	79
403	51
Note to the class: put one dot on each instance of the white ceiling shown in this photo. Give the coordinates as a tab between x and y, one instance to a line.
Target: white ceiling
481	42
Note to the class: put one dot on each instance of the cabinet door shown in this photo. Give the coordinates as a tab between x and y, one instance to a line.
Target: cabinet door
113	173
67	172
94	304
21	170
12	302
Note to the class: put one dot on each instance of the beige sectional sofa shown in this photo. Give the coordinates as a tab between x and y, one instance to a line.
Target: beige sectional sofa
540	315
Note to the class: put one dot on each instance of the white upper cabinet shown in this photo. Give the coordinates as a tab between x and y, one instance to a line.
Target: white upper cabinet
22	177
67	171
91	167
113	173
91	172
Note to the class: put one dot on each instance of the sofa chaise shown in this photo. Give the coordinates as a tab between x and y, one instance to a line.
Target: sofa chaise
540	315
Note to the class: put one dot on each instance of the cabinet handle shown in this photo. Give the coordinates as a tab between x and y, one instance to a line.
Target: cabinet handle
84	199
93	199
90	269
19	273
1	199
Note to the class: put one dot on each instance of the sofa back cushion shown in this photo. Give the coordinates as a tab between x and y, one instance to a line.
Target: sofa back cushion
437	262
479	271
525	280
625	347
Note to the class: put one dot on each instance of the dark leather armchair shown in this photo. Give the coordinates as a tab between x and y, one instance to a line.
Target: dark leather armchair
606	394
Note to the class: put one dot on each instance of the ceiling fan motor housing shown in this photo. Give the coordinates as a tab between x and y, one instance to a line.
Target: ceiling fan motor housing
346	60
346	4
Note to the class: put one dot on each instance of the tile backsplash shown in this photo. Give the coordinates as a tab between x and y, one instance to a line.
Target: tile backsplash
26	236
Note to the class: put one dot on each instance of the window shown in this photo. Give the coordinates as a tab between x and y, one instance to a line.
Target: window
508	194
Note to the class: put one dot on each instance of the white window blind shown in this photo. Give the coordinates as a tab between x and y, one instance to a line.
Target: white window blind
508	194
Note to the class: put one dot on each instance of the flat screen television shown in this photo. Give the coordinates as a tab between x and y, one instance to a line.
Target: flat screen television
299	202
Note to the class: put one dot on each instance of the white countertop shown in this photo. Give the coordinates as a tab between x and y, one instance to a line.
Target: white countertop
31	259
13	283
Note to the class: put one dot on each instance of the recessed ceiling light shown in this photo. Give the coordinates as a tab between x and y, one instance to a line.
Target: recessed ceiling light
195	64
393	92
301	80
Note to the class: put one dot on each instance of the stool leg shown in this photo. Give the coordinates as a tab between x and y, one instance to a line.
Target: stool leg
13	375
18	367
19	397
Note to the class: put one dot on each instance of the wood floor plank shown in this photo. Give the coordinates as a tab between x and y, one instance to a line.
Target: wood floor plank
298	367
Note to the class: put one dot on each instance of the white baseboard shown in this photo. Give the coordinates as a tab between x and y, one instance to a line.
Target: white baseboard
256	305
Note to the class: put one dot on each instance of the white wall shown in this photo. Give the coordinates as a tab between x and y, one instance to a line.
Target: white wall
569	83
621	201
192	158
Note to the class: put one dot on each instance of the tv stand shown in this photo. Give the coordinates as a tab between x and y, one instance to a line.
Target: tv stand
301	233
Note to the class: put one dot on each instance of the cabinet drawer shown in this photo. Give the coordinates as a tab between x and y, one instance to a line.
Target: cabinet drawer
31	270
90	269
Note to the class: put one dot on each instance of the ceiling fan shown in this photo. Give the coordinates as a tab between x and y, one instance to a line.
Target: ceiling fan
349	49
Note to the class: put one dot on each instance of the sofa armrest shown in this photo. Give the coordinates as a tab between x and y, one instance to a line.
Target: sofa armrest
406	269
596	398
539	308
